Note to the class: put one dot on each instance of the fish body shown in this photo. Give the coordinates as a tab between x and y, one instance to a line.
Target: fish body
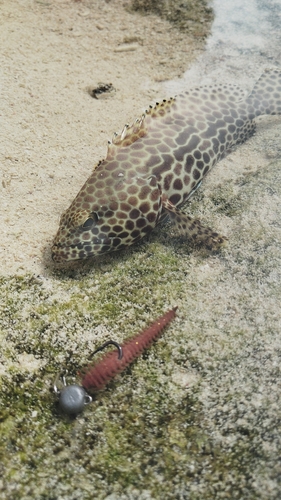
156	164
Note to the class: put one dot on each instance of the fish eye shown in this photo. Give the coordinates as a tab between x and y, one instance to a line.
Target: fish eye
90	221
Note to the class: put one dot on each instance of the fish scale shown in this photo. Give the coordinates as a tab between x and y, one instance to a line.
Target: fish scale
157	163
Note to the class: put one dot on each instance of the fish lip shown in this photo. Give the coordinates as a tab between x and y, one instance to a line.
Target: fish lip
60	253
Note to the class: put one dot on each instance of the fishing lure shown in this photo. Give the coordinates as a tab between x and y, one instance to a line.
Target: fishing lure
73	398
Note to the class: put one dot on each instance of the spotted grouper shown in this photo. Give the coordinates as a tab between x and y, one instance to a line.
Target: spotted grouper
157	163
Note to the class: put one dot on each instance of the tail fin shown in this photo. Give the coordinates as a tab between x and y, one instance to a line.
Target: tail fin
265	98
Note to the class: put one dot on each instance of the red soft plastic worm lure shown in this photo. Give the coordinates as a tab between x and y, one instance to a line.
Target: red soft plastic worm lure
73	398
109	366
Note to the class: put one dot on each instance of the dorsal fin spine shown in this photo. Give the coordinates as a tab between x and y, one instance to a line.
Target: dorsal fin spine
130	133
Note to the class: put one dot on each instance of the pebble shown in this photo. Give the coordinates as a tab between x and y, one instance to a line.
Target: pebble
85	13
128	47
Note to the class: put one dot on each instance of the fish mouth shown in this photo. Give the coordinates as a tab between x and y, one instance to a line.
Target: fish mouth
84	250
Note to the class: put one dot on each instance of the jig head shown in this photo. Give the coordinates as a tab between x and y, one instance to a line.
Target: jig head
73	398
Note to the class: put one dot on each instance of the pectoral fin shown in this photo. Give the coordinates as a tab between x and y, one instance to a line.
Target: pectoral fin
192	228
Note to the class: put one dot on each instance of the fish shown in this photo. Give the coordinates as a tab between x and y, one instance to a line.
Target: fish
156	164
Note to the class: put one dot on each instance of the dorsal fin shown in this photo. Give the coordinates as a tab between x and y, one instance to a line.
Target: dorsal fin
130	133
138	129
161	108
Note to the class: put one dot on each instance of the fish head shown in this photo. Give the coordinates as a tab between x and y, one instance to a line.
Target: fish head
101	221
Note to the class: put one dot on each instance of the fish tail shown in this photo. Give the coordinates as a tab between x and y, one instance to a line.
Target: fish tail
265	98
